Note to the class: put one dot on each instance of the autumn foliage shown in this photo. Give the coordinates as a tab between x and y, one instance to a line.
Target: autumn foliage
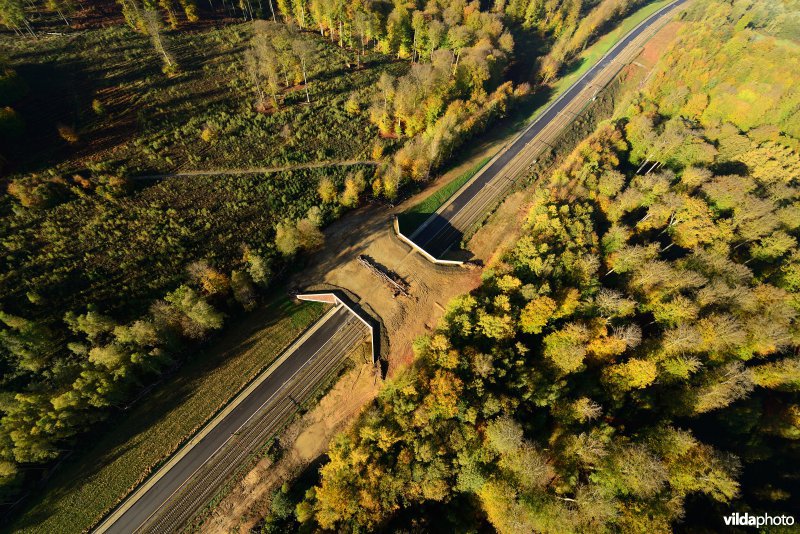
636	351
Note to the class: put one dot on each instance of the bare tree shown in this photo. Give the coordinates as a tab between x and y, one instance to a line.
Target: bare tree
253	71
153	25
362	22
60	7
303	51
270	68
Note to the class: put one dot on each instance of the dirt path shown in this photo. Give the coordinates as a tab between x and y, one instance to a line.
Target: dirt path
257	170
369	231
366	231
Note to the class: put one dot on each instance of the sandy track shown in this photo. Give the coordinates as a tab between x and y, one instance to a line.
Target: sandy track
368	231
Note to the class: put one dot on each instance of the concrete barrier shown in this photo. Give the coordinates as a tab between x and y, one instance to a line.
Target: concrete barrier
408	241
332	297
557	127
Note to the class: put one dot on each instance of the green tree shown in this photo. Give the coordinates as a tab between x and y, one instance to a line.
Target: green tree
536	314
195	316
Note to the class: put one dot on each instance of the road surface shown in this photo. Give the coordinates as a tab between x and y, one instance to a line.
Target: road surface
444	229
173	495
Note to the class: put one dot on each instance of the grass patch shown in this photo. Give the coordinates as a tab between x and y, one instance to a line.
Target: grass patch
151	123
136	248
411	219
593	53
102	472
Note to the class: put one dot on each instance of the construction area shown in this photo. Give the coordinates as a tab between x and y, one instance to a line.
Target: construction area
410	298
389	278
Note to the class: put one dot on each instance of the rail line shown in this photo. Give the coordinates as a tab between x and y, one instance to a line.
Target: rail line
472	203
204	484
192	477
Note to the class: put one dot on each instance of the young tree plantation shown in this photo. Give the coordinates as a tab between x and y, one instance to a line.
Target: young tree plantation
630	363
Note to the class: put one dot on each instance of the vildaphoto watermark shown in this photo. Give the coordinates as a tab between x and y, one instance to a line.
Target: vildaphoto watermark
763	520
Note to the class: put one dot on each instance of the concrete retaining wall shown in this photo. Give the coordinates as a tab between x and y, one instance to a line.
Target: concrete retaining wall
330	297
409	242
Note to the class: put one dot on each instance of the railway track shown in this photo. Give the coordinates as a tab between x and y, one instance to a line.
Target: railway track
471	204
201	488
194	476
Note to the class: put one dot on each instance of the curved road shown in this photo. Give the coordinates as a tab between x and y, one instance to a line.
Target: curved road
444	229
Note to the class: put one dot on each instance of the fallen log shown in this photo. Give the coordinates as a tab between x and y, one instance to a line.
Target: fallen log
397	285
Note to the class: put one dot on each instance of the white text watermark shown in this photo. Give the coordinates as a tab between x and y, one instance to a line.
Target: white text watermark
763	520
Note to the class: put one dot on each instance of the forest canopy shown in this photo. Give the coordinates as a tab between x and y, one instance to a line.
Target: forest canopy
593	381
112	272
738	66
632	362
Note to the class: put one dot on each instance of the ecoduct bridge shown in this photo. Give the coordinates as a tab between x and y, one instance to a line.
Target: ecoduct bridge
194	476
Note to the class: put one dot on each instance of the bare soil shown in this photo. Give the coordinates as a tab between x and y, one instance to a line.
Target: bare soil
369	231
365	231
304	442
491	242
654	48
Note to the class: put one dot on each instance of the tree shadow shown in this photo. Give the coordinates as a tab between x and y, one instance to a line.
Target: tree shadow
125	429
365	315
442	240
61	92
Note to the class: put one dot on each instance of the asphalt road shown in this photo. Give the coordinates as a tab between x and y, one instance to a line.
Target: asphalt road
444	229
187	485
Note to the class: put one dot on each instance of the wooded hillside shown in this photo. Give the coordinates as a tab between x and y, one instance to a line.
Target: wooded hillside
739	66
